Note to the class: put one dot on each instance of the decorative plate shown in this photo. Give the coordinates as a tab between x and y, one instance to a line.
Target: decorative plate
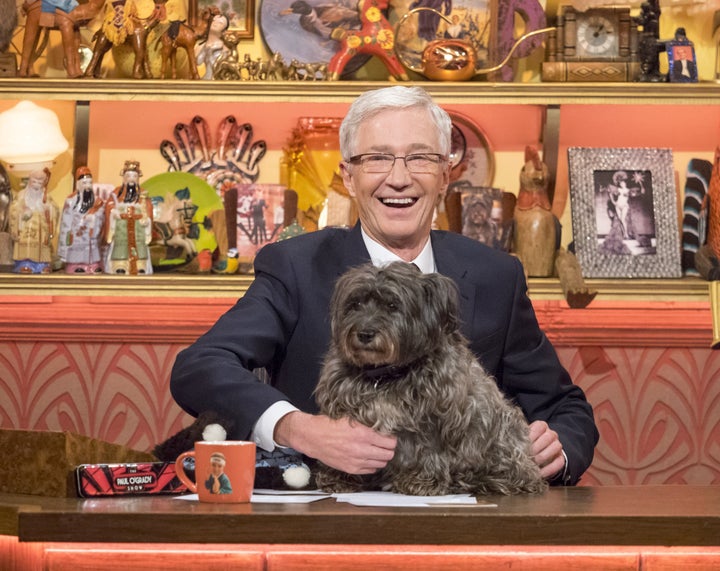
300	29
471	155
181	201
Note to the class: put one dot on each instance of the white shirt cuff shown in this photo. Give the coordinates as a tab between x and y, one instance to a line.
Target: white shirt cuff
264	429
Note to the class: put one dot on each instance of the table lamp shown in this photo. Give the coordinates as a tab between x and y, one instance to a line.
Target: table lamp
30	138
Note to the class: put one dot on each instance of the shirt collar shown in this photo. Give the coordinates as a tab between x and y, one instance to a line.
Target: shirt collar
380	256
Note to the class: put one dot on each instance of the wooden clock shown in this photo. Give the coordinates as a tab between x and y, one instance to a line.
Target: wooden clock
599	44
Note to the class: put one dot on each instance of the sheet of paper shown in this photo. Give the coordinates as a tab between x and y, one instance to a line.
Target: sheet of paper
271	499
389	499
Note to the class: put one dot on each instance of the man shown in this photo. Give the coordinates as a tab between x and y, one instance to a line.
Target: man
395	144
218	482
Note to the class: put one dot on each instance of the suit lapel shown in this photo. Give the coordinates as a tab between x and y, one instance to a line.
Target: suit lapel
354	252
449	264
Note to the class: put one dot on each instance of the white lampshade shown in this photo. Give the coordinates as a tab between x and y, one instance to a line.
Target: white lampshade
30	135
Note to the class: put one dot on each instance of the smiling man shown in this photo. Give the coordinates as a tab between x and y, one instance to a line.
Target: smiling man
395	144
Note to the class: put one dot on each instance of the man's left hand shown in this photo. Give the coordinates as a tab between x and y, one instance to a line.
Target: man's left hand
547	450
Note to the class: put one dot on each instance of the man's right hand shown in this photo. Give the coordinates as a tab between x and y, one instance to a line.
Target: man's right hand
342	444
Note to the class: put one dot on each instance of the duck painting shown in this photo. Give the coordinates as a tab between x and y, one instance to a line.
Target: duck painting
322	19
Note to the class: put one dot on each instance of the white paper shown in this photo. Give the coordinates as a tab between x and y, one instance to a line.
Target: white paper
269	492
296	498
389	499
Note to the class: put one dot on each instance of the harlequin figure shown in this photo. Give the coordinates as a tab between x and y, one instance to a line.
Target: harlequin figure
376	38
81	224
128	219
33	223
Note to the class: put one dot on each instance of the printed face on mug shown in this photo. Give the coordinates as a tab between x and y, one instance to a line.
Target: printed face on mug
224	471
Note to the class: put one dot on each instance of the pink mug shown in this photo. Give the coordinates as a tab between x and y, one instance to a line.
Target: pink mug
224	471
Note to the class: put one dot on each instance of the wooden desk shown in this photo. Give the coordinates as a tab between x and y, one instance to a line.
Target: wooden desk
631	519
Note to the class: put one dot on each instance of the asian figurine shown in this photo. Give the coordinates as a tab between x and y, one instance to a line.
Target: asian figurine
33	224
81	224
128	223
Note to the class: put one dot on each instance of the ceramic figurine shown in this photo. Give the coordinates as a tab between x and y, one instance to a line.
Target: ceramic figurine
33	223
376	37
535	235
81	224
128	223
536	239
211	47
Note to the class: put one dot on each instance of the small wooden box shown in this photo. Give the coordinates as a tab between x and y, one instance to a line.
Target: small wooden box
42	463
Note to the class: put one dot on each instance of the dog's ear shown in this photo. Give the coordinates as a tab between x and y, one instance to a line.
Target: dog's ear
441	296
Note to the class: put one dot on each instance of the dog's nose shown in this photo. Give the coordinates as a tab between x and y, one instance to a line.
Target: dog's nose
365	336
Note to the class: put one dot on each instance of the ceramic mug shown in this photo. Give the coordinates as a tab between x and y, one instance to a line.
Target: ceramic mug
224	471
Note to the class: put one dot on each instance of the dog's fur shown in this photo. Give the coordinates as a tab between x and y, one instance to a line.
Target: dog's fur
398	363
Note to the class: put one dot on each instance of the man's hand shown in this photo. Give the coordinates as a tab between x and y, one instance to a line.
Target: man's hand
546	449
341	444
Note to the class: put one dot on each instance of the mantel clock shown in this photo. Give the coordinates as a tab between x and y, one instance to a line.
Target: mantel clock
599	44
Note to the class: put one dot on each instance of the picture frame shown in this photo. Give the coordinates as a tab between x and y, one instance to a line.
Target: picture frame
241	14
624	212
682	65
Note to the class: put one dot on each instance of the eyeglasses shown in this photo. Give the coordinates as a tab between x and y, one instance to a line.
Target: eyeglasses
416	163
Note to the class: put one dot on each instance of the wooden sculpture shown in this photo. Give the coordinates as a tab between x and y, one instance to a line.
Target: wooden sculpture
536	238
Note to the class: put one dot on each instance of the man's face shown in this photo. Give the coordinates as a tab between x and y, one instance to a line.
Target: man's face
216	467
396	209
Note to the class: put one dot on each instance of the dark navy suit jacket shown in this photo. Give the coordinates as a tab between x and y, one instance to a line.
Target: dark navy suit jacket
282	324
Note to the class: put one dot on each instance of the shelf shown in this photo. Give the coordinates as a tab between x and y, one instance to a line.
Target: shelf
233	287
157	285
345	91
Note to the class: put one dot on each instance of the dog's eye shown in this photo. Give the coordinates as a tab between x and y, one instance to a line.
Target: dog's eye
391	306
354	306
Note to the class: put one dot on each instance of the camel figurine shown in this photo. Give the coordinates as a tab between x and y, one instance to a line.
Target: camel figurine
180	34
123	24
536	234
376	37
68	23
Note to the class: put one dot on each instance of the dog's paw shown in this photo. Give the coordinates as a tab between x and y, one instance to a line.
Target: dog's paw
334	482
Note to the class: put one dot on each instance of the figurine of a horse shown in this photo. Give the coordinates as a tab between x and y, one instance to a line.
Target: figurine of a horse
376	37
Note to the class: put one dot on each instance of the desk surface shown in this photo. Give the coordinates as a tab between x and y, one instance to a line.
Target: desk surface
608	515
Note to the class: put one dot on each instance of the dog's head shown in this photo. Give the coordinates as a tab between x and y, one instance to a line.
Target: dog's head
391	315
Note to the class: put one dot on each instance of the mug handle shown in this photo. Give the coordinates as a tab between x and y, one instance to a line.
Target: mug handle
180	471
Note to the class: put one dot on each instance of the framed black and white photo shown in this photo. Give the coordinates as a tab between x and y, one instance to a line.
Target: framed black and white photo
624	212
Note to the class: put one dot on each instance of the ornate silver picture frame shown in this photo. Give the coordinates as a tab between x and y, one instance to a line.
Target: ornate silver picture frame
624	212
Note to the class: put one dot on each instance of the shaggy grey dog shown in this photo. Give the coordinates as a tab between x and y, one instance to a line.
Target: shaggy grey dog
398	363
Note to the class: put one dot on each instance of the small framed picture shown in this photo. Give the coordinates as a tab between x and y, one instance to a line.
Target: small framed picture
682	66
482	215
240	14
624	212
